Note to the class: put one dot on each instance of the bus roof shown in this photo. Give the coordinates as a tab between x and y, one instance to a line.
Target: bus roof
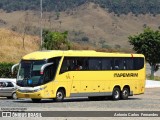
41	55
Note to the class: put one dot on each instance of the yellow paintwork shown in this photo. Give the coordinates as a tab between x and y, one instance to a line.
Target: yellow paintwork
85	81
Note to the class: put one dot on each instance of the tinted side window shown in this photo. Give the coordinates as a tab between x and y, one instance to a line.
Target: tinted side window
107	63
67	65
74	64
119	64
9	84
103	63
138	63
50	71
48	74
2	84
95	64
128	63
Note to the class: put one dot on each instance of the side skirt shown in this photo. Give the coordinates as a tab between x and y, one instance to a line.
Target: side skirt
91	94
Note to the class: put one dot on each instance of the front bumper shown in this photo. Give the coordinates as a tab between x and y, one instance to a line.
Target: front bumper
29	95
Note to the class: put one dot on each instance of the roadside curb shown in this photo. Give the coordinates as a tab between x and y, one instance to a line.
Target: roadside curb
152	84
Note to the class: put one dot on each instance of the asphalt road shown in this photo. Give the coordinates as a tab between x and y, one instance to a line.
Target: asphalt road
150	101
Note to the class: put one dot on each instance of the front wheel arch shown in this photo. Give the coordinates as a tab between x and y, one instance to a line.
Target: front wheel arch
60	94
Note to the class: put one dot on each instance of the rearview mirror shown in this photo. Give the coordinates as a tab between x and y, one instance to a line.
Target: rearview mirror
13	67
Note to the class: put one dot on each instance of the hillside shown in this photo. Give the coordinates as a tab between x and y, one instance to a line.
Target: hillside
117	6
11	49
87	25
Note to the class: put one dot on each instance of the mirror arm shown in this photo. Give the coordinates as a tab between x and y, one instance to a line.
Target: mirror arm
15	65
44	66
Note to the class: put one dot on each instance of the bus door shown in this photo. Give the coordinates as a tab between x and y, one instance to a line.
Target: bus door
69	71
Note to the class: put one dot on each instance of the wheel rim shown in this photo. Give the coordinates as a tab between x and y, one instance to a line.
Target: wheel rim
59	95
14	96
116	94
125	93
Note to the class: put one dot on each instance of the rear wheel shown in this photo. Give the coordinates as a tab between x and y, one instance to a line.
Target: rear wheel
60	95
36	100
125	93
116	93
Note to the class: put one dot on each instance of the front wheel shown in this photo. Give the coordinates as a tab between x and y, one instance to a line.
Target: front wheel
116	93
14	96
60	95
125	93
36	100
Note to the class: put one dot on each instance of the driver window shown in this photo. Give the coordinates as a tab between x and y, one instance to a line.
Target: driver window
48	74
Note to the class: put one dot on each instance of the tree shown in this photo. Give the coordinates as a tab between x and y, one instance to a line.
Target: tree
55	40
23	27
148	43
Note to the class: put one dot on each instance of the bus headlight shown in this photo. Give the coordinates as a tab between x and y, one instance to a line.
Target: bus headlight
30	90
42	88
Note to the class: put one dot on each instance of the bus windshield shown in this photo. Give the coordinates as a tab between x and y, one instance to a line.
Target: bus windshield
29	73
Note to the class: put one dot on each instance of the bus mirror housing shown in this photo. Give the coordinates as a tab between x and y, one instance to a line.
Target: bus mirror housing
44	66
13	67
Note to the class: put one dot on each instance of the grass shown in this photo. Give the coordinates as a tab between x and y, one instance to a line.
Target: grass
156	78
11	49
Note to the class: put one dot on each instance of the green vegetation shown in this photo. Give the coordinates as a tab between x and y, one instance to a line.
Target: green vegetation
5	70
127	6
157	78
55	40
148	43
116	6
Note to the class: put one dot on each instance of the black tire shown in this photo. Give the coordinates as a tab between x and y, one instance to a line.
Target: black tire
125	93
35	100
60	95
9	97
116	93
14	96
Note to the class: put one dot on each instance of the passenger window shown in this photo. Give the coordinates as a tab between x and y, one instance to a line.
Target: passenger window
106	64
138	63
129	63
119	64
9	84
74	64
2	84
81	63
95	64
67	65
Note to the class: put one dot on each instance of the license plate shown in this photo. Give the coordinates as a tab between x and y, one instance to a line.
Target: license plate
26	95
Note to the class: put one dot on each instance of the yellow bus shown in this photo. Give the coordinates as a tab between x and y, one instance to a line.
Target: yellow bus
83	73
